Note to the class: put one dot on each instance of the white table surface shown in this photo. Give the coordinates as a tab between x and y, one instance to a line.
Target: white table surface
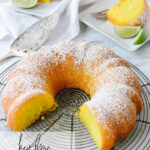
139	58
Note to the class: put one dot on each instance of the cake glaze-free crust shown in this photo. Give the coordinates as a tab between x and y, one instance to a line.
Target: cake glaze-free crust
133	13
114	89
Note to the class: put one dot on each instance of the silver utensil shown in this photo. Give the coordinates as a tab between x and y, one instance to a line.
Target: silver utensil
31	39
101	15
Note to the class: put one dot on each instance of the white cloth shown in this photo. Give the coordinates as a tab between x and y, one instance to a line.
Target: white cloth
67	28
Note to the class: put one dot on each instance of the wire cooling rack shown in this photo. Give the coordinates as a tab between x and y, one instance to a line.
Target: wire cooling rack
62	129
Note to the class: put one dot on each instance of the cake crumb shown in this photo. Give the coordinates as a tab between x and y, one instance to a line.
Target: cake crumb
42	118
77	114
74	109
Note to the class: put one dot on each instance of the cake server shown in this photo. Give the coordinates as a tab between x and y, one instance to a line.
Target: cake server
31	39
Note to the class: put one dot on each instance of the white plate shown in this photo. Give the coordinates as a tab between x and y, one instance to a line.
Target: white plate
106	28
42	9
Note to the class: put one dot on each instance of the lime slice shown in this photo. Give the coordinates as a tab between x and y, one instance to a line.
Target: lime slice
127	31
26	3
141	37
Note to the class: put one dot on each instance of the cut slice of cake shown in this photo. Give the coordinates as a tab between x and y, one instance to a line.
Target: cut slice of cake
129	13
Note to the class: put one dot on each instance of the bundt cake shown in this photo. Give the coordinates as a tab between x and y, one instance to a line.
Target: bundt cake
129	13
114	89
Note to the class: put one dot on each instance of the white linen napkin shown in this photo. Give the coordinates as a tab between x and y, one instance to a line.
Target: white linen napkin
67	28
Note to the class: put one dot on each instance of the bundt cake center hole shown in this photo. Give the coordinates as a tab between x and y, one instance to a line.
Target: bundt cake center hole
69	100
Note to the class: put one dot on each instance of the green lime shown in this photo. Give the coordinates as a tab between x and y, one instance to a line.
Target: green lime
141	37
127	31
26	3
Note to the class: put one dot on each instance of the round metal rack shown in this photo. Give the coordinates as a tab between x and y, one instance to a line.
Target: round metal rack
62	129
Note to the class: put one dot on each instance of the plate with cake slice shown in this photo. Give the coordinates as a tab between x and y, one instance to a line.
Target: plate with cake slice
123	18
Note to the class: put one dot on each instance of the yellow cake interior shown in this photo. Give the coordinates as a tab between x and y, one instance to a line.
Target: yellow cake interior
33	109
126	11
91	124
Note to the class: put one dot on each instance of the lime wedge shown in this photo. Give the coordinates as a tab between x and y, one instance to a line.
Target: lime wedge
141	37
127	31
26	3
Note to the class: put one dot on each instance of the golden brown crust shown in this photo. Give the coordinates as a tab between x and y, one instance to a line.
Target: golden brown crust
68	65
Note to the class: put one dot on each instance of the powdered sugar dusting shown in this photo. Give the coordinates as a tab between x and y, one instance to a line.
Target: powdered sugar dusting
31	77
23	97
24	83
116	102
106	121
141	20
82	54
113	62
94	58
35	67
120	75
21	84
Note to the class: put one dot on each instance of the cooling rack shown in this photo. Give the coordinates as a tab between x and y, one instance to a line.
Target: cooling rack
62	129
